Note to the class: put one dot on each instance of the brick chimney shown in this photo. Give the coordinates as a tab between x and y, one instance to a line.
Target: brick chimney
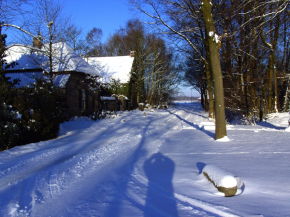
37	42
132	54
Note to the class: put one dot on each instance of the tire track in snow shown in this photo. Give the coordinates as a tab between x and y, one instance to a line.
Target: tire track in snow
54	188
89	159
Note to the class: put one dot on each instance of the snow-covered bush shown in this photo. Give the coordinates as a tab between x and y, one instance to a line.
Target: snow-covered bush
9	131
237	118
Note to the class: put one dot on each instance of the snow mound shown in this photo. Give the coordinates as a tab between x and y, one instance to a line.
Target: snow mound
224	139
287	129
222	180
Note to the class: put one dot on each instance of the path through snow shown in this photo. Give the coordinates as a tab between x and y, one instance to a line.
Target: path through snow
147	166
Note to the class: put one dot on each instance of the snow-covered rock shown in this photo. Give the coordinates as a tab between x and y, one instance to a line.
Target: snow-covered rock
222	180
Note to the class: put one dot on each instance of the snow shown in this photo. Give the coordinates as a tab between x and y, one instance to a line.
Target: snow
224	139
108	98
28	78
207	125
216	38
135	166
220	177
124	97
64	59
117	67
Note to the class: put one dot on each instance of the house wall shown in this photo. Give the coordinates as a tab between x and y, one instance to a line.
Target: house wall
74	86
109	105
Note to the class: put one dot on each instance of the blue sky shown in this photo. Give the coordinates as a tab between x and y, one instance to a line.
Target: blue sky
108	15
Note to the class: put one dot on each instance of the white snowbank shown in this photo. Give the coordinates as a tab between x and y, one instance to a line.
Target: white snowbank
224	139
220	177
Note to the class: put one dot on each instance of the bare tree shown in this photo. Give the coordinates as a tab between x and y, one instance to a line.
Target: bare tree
93	44
181	19
46	24
73	37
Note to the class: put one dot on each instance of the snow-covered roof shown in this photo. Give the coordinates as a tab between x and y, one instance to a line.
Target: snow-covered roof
64	59
28	78
107	98
117	67
113	97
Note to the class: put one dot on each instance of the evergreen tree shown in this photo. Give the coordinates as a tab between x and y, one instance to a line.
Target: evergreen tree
9	131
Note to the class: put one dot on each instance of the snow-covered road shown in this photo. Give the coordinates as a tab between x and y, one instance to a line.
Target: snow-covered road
148	166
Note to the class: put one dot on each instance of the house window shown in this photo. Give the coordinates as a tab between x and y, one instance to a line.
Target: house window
83	99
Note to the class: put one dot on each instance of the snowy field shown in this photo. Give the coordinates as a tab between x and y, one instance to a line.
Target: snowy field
148	166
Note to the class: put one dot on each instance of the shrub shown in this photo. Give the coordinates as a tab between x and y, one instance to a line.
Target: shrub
43	109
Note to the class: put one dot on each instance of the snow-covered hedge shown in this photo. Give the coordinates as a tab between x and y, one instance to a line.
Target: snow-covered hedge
222	180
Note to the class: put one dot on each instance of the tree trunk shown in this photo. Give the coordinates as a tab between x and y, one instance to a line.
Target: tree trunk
220	123
275	86
208	81
270	82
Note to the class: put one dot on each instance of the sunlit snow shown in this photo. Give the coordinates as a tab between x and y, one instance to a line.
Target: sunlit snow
117	67
132	165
